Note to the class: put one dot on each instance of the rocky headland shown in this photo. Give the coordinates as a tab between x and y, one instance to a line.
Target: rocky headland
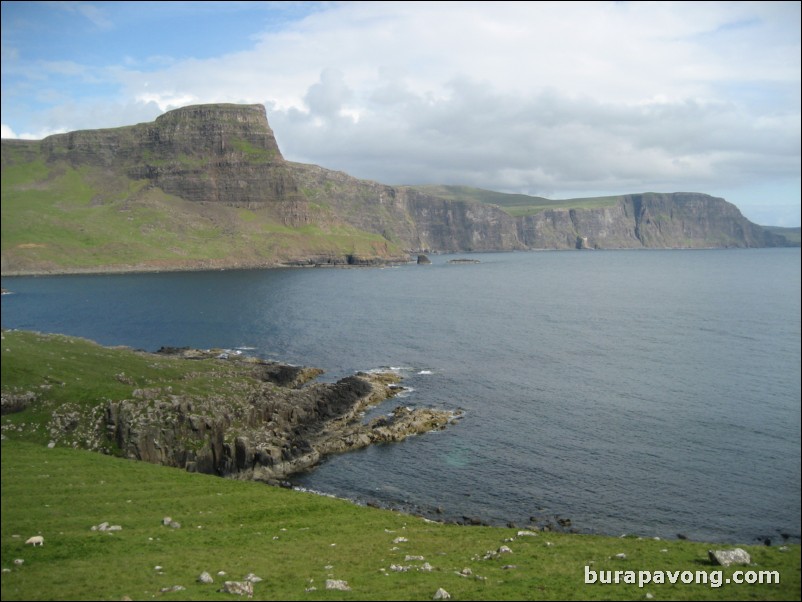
206	187
274	421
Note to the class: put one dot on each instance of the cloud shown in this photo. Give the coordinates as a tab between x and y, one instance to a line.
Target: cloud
545	98
7	132
95	15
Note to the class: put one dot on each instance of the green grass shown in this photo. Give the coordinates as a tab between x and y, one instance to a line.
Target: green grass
515	204
296	540
58	218
792	235
293	540
253	153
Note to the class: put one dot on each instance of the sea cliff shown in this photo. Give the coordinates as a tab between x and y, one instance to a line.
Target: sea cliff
206	187
208	411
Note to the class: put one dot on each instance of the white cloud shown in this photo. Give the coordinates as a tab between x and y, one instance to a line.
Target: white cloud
166	100
541	97
6	132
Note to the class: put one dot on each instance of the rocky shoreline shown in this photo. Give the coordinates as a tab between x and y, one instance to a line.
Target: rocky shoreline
344	261
278	424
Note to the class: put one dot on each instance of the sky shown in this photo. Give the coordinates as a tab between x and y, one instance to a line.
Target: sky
553	99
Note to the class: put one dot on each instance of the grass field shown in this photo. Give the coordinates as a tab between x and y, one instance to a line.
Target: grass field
293	540
516	204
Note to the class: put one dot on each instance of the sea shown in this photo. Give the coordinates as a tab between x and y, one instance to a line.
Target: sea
642	392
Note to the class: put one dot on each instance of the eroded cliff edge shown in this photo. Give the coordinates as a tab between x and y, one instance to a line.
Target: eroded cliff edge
280	427
203	411
206	186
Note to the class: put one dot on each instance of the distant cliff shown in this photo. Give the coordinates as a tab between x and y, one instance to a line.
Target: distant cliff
656	220
207	187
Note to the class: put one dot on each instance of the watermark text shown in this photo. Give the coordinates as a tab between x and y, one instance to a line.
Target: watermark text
712	578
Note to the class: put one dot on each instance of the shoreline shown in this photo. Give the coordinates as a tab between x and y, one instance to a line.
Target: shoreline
345	432
341	262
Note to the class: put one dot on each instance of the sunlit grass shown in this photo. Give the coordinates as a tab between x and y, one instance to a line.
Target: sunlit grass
293	540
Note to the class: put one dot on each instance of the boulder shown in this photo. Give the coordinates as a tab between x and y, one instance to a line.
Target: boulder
423	260
337	584
729	557
238	588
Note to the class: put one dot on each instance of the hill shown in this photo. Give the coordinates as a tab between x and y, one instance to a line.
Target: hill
207	187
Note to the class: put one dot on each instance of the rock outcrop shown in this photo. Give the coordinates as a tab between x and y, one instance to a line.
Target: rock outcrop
277	425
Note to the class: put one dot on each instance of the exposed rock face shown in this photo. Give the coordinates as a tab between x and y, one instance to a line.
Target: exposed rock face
649	220
271	432
409	217
209	153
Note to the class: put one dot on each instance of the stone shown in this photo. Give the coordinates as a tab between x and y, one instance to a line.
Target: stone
337	584
441	594
238	588
423	260
206	578
729	557
252	578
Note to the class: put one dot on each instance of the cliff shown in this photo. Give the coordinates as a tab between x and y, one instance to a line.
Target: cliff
209	153
650	220
207	187
200	410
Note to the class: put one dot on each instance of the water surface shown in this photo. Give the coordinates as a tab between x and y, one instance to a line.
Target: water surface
648	392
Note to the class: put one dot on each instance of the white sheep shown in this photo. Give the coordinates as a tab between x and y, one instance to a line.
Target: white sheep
36	540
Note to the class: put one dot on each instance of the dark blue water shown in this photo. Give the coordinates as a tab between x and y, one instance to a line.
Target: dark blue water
647	392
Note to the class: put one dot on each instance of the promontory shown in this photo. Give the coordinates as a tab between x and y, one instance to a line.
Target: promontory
206	186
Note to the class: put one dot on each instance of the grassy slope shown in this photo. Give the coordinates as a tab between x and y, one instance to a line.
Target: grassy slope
283	536
791	234
61	218
515	204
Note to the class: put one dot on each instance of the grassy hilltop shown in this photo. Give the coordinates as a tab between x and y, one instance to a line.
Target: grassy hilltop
293	540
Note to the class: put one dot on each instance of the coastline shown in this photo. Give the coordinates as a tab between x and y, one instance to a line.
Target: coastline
323	323
268	421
